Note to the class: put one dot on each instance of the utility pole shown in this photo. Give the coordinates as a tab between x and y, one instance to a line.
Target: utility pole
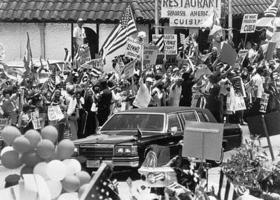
230	20
156	18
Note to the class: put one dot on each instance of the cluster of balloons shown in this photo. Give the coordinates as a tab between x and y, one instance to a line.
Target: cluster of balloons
40	153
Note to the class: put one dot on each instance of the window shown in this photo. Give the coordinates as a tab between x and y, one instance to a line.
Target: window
132	121
189	116
173	121
202	117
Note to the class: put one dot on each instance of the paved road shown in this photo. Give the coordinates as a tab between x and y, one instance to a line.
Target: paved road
213	173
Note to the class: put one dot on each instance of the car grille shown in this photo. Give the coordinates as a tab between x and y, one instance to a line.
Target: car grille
97	152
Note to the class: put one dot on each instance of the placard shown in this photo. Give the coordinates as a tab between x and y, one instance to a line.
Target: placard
249	23
170	46
189	13
241	56
264	102
203	140
150	54
228	54
55	113
128	70
133	49
35	118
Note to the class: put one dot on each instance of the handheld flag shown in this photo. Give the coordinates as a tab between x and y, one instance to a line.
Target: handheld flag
28	55
118	37
272	10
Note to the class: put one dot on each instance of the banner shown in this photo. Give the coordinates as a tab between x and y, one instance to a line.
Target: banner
150	54
249	23
133	49
170	41
189	13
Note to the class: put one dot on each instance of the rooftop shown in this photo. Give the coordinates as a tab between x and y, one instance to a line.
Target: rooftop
94	11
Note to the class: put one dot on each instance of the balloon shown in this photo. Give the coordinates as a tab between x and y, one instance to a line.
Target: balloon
49	133
82	189
65	149
76	165
41	169
11	160
34	137
45	149
55	188
21	144
69	196
70	170
30	159
56	170
71	183
6	149
26	170
10	133
84	177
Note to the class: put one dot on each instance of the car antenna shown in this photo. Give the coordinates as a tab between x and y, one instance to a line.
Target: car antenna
139	133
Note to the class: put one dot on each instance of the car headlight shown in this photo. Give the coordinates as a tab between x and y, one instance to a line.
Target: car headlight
126	150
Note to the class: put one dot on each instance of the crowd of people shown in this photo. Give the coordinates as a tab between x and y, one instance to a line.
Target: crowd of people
84	100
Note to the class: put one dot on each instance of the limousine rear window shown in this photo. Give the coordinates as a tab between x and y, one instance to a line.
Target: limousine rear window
130	121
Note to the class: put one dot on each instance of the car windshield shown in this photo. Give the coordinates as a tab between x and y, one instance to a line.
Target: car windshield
130	121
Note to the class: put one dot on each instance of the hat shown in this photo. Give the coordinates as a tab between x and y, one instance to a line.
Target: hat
175	69
80	20
149	79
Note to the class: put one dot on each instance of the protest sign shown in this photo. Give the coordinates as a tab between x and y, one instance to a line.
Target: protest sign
241	56
249	23
133	49
128	70
239	103
170	41
264	102
55	113
228	54
189	13
203	140
119	67
270	50
35	118
150	54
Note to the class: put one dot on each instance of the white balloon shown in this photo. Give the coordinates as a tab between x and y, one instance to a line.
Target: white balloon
70	170
55	188
76	165
6	149
41	169
56	170
69	196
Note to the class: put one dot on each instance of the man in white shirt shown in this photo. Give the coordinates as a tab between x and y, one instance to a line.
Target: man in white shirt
79	35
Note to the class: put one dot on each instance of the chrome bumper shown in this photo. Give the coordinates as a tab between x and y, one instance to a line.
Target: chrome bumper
126	162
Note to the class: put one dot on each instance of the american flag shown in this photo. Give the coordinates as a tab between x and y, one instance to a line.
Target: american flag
100	187
270	30
160	43
51	83
272	10
120	33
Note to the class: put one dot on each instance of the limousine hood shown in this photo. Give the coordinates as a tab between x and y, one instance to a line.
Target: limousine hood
119	137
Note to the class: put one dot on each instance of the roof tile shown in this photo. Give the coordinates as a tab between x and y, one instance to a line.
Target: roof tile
98	10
